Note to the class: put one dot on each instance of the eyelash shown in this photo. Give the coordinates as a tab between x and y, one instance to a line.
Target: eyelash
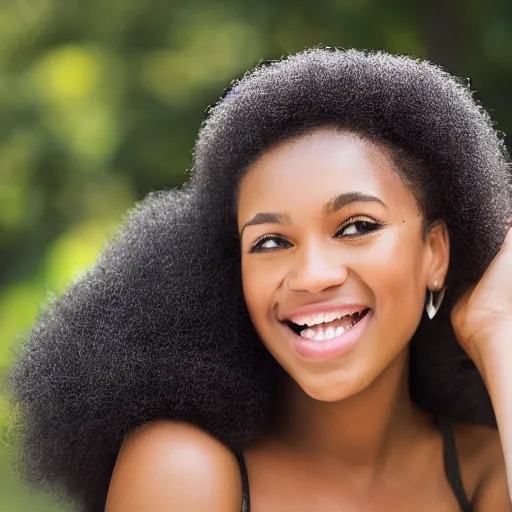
370	227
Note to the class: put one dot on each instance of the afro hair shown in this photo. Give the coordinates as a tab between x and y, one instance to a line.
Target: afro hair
159	328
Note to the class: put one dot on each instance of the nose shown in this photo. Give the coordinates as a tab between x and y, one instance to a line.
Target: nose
317	268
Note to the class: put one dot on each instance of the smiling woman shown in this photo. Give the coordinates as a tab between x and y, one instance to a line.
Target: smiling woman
274	321
353	254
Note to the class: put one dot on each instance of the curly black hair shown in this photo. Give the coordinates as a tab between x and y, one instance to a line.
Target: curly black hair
159	328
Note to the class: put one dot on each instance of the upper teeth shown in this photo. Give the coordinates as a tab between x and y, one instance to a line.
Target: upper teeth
319	318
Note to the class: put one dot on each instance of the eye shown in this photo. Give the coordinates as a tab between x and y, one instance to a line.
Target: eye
268	243
355	228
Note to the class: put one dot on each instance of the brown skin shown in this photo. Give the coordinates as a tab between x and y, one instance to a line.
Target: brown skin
315	260
347	436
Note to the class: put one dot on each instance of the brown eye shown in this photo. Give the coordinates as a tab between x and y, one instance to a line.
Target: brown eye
270	243
357	228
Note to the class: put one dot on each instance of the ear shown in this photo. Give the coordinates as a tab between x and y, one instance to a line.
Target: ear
438	246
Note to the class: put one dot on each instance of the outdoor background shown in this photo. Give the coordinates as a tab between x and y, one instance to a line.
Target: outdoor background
101	100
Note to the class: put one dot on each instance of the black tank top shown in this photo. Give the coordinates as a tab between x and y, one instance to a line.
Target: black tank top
451	467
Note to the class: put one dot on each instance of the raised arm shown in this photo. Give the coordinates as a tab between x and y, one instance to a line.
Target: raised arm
495	363
482	321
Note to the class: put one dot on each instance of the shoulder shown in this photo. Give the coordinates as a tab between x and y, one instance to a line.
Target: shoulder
483	467
167	466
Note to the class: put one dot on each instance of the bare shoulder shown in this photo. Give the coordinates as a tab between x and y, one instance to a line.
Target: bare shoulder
483	467
169	466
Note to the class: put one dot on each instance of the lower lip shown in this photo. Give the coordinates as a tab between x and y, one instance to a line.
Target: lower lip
327	349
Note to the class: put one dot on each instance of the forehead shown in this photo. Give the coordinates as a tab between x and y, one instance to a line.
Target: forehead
316	167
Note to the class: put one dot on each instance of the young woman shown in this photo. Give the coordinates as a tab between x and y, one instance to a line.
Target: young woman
291	331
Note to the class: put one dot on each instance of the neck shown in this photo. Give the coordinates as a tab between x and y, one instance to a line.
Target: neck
359	431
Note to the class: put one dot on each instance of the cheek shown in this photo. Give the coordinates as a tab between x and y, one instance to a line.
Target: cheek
260	280
397	278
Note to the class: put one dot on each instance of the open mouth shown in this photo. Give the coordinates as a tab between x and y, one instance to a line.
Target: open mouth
326	326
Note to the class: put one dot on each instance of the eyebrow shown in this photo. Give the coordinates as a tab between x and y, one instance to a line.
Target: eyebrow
268	218
333	205
338	202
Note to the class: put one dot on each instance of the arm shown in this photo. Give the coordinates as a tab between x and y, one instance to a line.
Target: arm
482	322
494	363
173	467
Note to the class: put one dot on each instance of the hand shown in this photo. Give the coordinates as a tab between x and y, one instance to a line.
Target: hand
483	315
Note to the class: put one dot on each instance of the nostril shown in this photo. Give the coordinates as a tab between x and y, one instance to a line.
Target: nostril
315	278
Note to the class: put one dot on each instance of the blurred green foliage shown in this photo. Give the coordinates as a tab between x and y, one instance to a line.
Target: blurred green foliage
100	102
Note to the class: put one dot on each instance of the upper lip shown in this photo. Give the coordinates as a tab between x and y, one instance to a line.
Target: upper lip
343	307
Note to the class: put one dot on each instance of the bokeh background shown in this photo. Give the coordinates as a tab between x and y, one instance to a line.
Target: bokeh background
101	101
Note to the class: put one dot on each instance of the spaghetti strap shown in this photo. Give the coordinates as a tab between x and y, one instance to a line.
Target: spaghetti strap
246	497
451	464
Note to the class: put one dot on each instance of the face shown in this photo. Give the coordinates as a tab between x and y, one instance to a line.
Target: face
335	265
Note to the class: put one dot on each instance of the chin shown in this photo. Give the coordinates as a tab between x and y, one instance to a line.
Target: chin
329	389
